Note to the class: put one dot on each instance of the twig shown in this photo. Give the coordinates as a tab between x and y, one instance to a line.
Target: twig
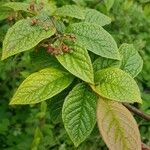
145	147
137	112
142	115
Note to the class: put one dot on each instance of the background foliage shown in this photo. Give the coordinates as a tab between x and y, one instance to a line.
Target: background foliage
40	126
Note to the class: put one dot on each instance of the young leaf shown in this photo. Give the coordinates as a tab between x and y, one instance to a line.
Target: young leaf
95	17
79	113
102	63
41	85
117	126
95	38
131	60
115	84
73	11
60	26
24	35
17	6
78	63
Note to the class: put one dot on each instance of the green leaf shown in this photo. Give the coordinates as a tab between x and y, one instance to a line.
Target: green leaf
79	113
4	13
95	38
23	35
95	17
115	84
41	85
18	6
117	126
60	26
73	11
147	9
102	63
41	59
55	106
109	4
131	60
38	136
78	63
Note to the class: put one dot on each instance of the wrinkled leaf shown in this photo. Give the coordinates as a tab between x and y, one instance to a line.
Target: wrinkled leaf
102	63
17	6
94	16
73	11
117	126
41	85
115	84
95	38
23	35
131	60
79	113
78	63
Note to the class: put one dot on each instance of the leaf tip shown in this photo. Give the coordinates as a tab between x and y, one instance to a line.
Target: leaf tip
76	144
140	101
3	57
11	103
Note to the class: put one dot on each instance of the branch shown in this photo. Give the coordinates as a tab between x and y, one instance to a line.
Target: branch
140	114
137	112
145	147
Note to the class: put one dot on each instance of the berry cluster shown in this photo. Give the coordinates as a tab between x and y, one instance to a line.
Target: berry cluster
34	8
63	48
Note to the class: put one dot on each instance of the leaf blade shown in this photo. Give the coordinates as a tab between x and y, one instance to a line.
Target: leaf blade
117	126
131	60
78	63
79	113
95	39
23	36
73	11
96	17
115	84
17	6
102	63
41	85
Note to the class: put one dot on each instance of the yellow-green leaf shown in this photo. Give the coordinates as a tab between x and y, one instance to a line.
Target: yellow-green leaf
41	85
17	6
115	84
78	63
24	35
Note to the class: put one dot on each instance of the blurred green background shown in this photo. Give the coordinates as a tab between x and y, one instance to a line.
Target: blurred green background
39	127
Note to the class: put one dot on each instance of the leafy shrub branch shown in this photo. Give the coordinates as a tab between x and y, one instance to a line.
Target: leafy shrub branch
78	53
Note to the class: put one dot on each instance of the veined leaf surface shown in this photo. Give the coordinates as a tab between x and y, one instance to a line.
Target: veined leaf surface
79	113
115	84
41	85
117	126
